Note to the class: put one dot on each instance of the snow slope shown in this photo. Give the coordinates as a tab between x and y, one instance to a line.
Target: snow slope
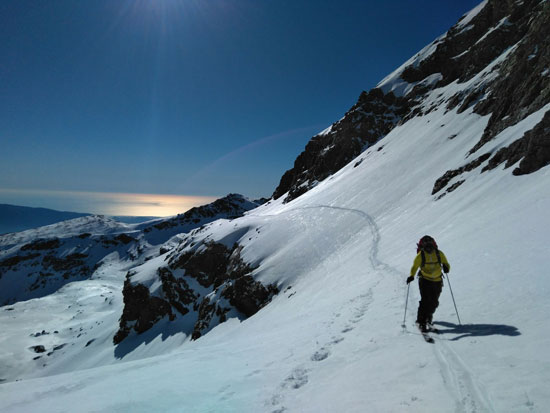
332	340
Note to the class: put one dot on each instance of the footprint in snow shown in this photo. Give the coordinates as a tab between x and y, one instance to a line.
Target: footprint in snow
336	340
320	354
296	379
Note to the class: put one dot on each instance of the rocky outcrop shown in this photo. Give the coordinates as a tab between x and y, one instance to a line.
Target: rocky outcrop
518	87
467	49
523	84
532	150
369	120
517	33
217	269
446	178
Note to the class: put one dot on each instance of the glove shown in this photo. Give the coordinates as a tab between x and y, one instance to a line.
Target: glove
445	268
410	279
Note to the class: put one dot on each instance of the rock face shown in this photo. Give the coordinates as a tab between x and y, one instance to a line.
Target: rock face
224	285
511	38
520	85
370	119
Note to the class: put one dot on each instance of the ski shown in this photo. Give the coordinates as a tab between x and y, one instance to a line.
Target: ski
427	338
425	335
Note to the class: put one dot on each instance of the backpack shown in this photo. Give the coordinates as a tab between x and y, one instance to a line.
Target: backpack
425	242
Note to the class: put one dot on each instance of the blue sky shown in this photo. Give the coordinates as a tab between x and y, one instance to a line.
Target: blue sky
187	97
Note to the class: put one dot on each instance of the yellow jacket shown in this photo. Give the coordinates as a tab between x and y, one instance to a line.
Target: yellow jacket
431	270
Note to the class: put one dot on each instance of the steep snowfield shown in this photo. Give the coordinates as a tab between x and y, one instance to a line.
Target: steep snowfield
332	340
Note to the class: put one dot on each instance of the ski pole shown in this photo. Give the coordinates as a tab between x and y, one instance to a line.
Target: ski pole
452	295
406	303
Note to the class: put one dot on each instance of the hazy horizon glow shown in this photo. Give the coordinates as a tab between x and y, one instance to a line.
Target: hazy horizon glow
105	203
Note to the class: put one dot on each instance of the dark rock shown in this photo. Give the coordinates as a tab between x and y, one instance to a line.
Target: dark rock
42	244
444	180
247	295
206	266
124	238
141	310
38	349
370	119
521	88
177	291
455	185
59	347
533	149
206	312
216	268
72	265
13	261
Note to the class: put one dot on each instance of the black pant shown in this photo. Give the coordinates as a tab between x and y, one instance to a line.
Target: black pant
429	299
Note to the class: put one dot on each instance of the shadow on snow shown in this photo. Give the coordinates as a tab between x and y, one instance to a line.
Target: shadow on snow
160	332
476	330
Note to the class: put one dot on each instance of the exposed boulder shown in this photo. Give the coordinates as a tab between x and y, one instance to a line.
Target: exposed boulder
141	310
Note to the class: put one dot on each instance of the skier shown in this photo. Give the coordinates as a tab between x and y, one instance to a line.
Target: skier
430	260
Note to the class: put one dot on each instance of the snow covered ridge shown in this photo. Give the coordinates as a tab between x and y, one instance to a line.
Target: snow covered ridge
36	263
15	218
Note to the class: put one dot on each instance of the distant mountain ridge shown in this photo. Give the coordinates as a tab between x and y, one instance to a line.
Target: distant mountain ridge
14	218
17	218
39	261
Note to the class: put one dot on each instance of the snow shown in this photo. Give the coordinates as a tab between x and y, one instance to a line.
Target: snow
393	81
468	17
93	224
325	131
331	340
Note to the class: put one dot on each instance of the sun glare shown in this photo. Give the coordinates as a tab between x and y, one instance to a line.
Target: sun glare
157	205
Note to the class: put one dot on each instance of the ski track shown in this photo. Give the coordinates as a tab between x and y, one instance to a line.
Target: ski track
468	392
299	376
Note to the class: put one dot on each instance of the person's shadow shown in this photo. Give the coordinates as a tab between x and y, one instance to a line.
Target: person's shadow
476	330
